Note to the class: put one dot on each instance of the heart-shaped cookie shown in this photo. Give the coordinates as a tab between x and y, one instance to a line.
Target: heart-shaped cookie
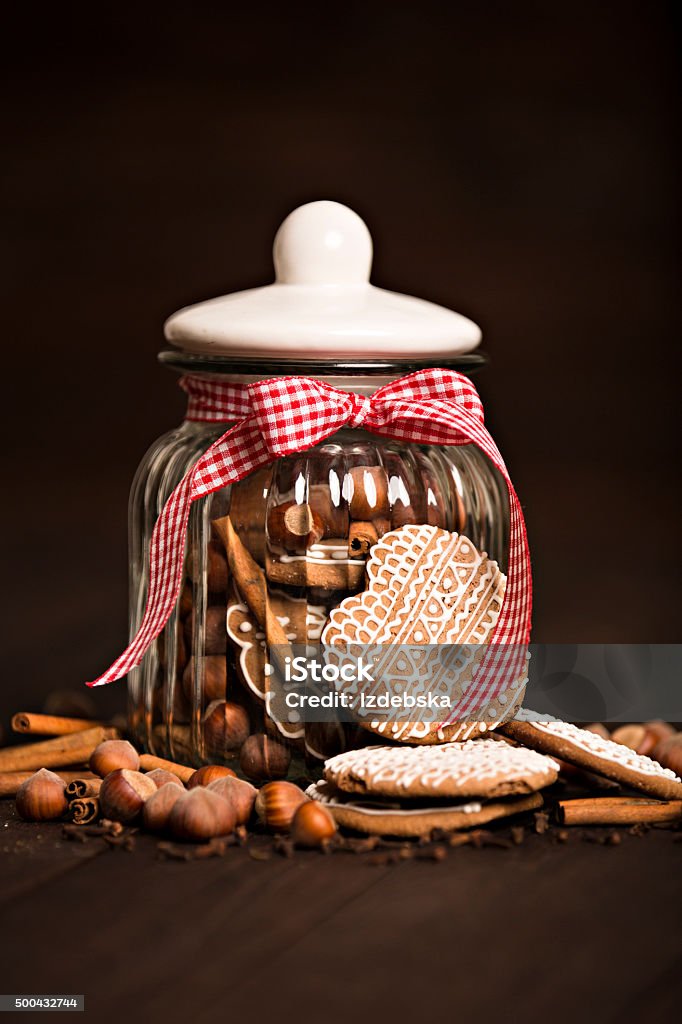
426	587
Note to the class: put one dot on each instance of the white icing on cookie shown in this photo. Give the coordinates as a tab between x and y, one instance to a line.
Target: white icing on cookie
594	744
446	767
406	592
426	587
325	551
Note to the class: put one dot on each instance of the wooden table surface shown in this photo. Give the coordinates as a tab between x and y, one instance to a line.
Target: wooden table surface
543	931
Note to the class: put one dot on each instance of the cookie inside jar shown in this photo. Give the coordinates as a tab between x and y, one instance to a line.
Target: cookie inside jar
286	546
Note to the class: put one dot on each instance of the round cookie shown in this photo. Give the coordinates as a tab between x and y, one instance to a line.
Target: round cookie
377	819
592	752
476	768
426	587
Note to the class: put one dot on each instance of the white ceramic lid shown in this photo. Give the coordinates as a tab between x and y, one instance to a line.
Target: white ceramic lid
321	303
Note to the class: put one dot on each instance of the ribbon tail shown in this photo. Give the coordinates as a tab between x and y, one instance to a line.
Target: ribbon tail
225	462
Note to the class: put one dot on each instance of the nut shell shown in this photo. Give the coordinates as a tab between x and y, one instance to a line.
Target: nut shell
42	797
226	726
263	757
214	631
654	733
209	773
123	795
241	794
214	677
669	753
157	808
643	738
201	814
113	754
629	736
277	803
160	777
313	825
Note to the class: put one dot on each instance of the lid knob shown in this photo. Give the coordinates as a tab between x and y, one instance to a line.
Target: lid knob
323	243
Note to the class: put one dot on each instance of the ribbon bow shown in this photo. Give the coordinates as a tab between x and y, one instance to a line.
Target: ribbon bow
282	416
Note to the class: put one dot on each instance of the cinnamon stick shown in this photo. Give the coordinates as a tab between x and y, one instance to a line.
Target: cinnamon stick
250	580
75	748
50	725
361	537
148	763
617	811
84	810
80	787
247	574
10	781
326	574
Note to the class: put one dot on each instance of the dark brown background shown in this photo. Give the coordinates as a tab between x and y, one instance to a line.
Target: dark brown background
513	161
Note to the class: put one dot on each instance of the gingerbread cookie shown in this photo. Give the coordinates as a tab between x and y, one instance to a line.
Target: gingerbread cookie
385	818
300	621
476	768
431	605
328	564
593	753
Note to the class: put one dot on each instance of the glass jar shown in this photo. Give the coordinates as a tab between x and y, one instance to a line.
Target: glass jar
353	487
308	520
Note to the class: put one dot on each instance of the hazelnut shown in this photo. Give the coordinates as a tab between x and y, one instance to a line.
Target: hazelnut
185	601
113	754
654	733
436	511
263	757
669	753
313	825
123	795
42	797
226	726
324	739
406	493
160	777
247	510
214	679
215	565
182	655
216	568
294	526
241	795
629	736
181	710
201	814
209	773
214	631
276	804
369	493
157	808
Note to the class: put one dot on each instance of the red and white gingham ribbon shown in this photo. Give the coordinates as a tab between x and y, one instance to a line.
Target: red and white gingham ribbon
282	416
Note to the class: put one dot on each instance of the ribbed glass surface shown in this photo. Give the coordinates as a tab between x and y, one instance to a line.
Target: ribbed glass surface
307	521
